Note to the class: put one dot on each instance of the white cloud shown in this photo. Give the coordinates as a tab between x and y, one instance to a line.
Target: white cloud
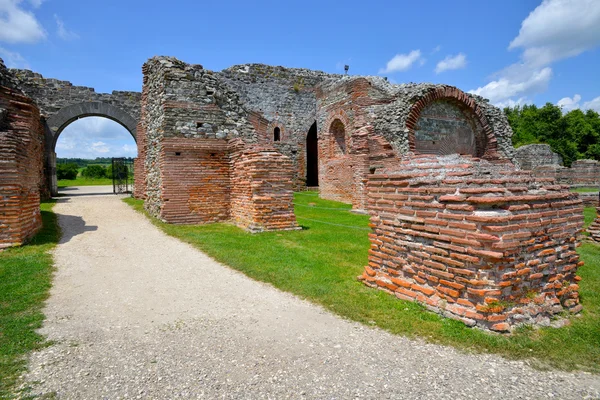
592	105
505	88
555	30
558	29
402	62
93	137
511	103
567	104
18	25
13	59
458	61
36	3
436	49
62	31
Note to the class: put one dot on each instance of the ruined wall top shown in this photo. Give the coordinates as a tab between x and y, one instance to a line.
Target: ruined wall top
52	95
7	79
284	96
532	156
193	102
394	107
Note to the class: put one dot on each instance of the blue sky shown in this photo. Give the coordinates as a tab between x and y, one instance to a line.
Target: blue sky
510	51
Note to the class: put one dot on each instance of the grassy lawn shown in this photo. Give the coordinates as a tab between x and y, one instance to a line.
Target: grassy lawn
321	263
25	280
81	181
589	215
585	189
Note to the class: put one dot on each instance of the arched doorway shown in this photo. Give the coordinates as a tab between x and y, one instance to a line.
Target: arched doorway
68	118
312	157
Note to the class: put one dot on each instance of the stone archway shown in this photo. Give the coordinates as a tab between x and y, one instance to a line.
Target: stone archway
447	121
57	122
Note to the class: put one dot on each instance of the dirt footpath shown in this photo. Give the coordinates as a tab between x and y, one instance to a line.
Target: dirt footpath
137	314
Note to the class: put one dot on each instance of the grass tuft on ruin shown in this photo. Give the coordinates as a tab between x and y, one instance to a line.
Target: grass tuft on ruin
25	280
321	262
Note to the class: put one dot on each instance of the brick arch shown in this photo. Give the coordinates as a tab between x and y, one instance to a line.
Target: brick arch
66	115
467	105
282	130
337	114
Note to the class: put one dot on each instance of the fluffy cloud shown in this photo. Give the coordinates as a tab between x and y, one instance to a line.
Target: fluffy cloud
593	104
402	62
555	30
567	104
458	61
18	25
512	103
505	88
62	31
95	137
13	59
558	29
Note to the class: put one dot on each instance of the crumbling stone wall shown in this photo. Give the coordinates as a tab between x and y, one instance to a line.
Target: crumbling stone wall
200	158
21	155
51	95
476	241
282	98
533	156
383	122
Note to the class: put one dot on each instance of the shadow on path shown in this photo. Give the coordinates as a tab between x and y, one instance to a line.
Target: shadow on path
72	226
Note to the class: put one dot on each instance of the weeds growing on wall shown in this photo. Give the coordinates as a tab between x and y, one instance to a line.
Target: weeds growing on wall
321	263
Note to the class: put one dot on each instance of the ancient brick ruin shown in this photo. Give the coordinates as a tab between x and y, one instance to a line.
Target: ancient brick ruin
475	240
457	226
21	164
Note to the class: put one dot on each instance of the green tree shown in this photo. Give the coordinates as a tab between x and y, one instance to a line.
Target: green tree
94	172
67	171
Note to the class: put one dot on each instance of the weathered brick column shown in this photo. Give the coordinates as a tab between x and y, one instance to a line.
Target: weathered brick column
261	188
21	164
475	241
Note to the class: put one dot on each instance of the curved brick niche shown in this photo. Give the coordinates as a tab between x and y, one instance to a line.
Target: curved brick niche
445	127
476	241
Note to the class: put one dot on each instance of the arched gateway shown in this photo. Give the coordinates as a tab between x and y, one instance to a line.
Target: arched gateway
61	103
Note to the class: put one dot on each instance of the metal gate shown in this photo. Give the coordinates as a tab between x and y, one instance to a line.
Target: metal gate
122	175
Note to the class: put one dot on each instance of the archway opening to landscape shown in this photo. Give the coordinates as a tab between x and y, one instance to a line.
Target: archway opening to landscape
84	149
312	157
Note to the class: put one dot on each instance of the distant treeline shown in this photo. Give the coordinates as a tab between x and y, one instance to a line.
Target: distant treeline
574	135
84	162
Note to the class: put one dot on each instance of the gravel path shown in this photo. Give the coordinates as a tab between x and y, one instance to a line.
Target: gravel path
137	314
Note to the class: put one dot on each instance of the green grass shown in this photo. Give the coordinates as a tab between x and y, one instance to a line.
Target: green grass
25	280
321	262
585	190
81	181
589	215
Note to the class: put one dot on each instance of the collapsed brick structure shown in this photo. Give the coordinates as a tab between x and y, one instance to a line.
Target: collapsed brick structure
200	156
21	163
477	241
368	123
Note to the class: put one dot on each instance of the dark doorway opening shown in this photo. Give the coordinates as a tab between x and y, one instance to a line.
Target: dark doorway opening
277	134
312	157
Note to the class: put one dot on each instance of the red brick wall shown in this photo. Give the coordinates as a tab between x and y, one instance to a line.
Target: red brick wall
476	241
21	169
195	180
261	183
